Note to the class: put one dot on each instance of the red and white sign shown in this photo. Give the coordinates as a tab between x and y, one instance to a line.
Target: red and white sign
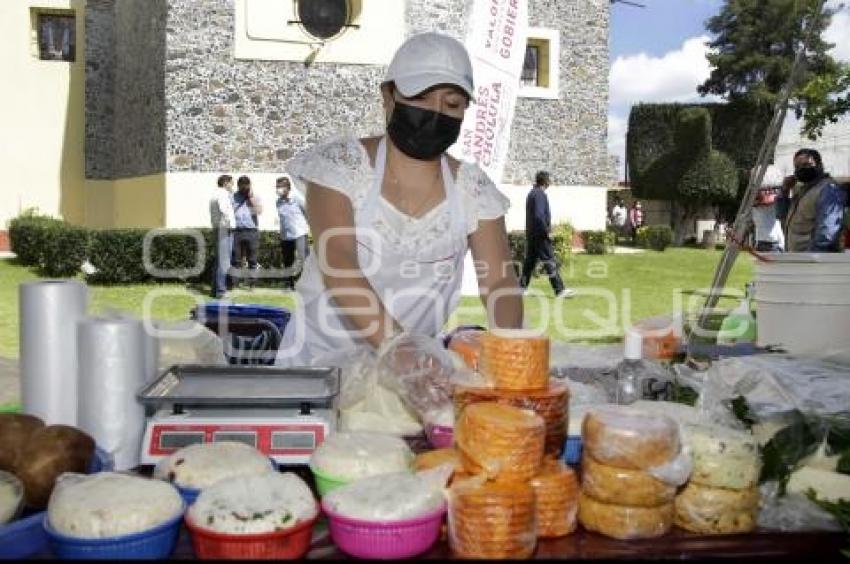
496	41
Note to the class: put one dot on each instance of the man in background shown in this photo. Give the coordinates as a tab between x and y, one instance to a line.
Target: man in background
538	226
618	218
815	219
223	221
293	229
768	229
246	236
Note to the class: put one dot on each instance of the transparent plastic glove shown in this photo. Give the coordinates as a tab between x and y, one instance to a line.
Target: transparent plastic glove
419	369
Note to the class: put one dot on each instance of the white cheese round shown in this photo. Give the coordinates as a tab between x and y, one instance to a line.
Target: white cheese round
389	497
201	465
352	456
722	457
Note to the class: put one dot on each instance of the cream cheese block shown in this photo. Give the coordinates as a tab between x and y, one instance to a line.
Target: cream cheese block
722	457
828	486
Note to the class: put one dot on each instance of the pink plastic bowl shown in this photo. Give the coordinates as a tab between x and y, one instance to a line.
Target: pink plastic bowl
440	436
385	540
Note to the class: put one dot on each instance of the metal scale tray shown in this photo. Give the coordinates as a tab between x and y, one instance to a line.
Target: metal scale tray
257	386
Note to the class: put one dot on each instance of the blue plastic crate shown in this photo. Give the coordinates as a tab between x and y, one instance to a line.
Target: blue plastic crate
156	543
26	537
214	310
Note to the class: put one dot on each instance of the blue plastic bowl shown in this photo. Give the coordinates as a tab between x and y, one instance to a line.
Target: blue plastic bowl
572	450
157	543
26	537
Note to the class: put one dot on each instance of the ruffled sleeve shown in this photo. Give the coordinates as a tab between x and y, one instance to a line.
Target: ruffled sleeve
341	164
482	198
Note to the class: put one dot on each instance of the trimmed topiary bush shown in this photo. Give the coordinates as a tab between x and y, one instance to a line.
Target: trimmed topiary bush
64	250
599	242
655	237
28	235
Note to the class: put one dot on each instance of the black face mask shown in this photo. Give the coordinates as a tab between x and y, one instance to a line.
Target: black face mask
422	134
806	174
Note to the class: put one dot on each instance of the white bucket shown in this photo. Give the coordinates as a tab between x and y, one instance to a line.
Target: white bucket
803	301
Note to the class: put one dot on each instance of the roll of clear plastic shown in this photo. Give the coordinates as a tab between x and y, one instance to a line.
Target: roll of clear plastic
624	521
492	520
112	366
515	359
556	489
551	404
49	311
708	510
502	442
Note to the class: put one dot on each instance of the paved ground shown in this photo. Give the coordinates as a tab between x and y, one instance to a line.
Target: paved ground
9	381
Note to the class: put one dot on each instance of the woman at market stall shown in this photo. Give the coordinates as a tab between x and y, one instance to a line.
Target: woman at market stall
393	216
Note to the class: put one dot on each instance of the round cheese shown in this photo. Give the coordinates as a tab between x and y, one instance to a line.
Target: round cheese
201	465
434	458
500	441
386	497
515	359
492	520
108	504
556	489
623	521
352	456
717	511
551	404
622	486
629	438
722	457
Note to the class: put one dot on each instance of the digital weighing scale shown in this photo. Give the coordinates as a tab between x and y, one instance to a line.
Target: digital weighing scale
283	412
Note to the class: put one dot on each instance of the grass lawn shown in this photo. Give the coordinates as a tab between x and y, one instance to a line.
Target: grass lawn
613	290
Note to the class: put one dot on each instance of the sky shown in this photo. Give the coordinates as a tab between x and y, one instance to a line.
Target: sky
658	55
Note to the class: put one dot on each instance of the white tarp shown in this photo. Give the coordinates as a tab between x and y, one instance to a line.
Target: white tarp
496	40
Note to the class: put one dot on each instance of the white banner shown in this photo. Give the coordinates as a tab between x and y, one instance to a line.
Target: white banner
496	40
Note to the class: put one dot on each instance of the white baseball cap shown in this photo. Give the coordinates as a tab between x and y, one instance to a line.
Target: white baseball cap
429	59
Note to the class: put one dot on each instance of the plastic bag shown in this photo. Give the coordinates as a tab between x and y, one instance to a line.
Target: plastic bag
710	510
187	342
792	512
420	370
556	488
352	456
109	504
389	497
622	521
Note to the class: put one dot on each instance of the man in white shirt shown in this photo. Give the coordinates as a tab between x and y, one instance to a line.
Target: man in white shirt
293	229
223	221
618	217
768	229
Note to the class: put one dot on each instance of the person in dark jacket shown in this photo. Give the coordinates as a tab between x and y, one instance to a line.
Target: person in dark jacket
538	225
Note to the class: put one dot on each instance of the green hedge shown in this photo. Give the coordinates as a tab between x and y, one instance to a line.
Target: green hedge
656	237
64	251
562	242
28	236
599	242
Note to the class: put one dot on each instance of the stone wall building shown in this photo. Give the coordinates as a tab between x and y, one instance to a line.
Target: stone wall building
180	91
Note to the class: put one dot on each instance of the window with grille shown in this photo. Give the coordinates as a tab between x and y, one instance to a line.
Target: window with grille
530	68
57	36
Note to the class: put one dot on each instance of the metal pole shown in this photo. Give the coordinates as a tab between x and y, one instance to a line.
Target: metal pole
768	147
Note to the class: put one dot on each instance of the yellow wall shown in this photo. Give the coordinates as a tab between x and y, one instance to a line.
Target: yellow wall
42	109
126	202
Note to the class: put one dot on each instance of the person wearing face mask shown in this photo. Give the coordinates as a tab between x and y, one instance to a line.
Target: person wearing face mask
293	228
393	216
815	218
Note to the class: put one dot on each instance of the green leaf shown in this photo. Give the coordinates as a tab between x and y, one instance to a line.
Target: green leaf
781	455
844	464
742	411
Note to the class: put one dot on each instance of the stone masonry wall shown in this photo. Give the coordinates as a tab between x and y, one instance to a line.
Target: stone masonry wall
222	114
125	96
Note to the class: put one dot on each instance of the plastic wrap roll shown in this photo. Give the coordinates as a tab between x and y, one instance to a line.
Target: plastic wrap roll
112	369
716	510
502	442
629	438
492	520
515	359
49	312
624	521
556	489
151	341
620	485
551	404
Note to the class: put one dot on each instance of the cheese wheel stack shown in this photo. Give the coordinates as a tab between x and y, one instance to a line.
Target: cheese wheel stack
515	359
467	344
722	496
434	458
503	443
492	519
550	404
620	498
557	490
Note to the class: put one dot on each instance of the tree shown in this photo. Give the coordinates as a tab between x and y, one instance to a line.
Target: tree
692	174
753	51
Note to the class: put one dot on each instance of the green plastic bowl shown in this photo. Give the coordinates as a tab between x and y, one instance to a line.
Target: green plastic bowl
325	483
